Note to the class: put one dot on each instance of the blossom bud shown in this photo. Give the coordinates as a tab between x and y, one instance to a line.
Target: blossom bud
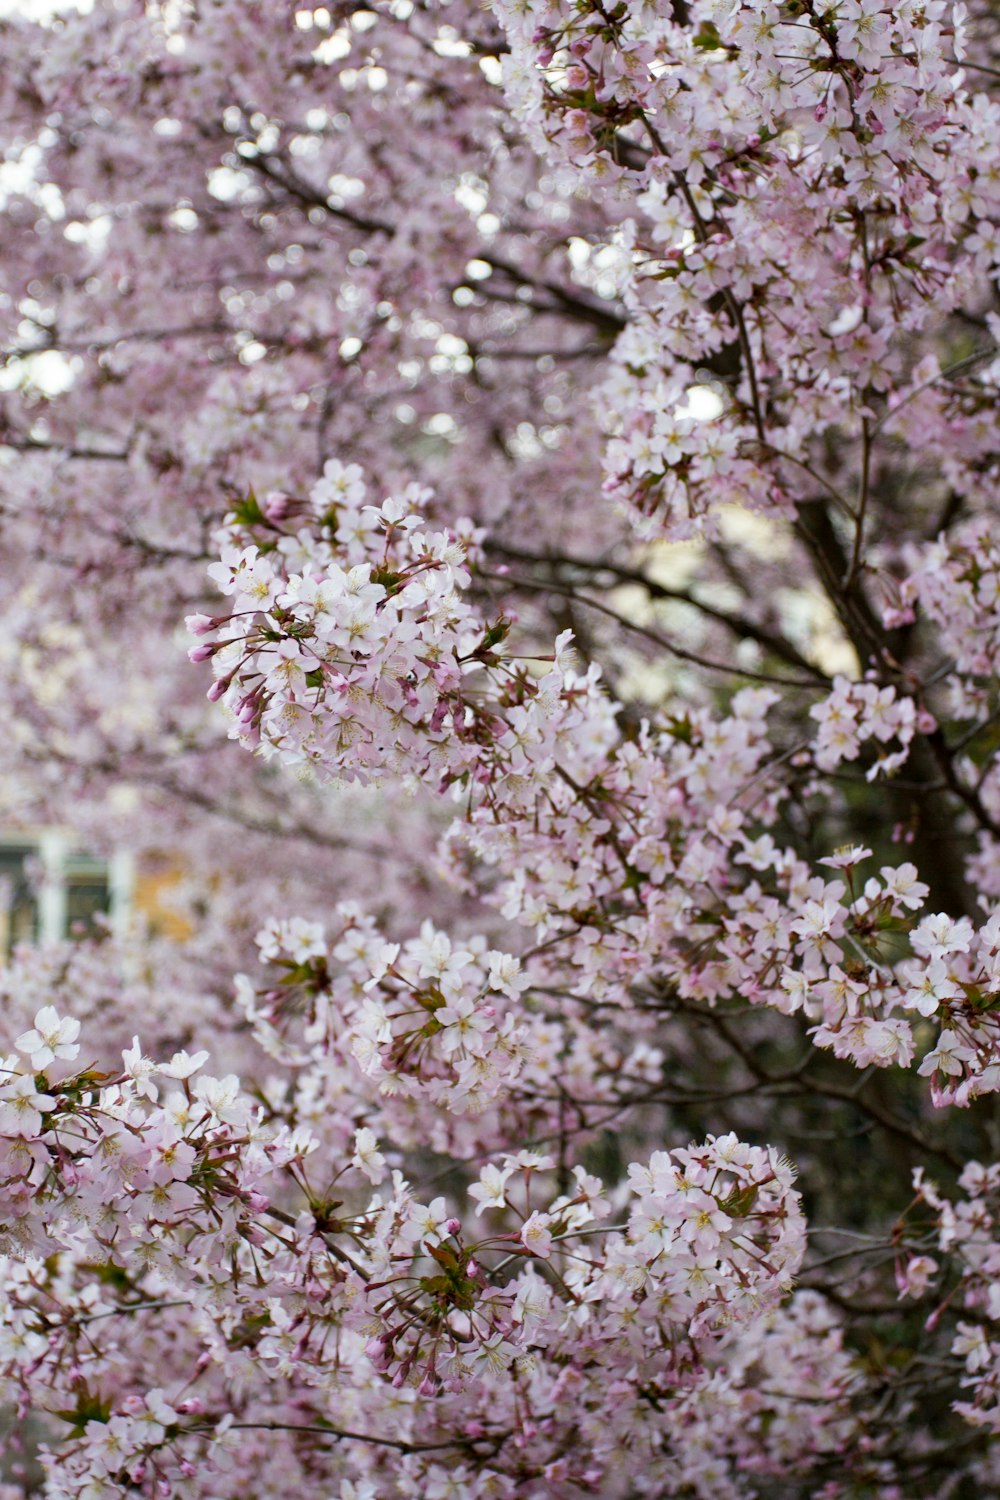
200	624
276	506
202	652
452	1226
218	689
377	1350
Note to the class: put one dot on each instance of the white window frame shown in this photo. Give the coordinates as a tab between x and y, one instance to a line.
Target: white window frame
56	850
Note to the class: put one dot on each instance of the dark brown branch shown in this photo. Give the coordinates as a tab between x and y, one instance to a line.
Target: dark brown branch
655	636
737	624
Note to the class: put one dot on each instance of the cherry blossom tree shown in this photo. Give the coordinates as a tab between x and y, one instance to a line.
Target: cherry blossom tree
502	497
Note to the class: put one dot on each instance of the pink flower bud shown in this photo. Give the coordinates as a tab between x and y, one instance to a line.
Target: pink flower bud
377	1350
276	506
200	624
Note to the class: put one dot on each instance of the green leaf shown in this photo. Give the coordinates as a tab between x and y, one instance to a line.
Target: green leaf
740	1202
444	1256
90	1407
889	923
248	511
108	1274
680	728
495	634
389	580
707	37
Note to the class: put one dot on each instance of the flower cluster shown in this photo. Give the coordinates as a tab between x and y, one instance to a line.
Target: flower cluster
163	1179
857	712
805	182
687	312
716	1234
364	667
957	585
350	647
964	1235
172	1207
428	1020
608	853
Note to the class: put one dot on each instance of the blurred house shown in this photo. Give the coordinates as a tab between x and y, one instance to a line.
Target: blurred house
50	890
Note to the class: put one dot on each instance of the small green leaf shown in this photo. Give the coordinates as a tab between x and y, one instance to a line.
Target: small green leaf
444	1256
740	1201
495	634
248	511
